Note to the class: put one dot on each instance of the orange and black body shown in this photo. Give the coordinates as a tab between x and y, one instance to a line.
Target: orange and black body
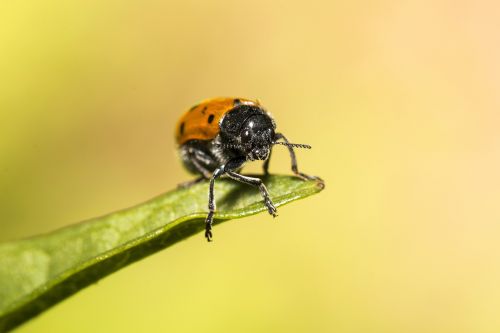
217	137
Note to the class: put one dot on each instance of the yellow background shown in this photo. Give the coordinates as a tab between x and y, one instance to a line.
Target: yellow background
399	99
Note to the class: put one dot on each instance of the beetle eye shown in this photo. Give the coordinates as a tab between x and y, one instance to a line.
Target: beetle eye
246	136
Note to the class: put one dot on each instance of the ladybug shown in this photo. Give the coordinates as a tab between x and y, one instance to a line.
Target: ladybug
217	136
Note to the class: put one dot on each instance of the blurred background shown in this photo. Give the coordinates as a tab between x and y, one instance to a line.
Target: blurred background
399	99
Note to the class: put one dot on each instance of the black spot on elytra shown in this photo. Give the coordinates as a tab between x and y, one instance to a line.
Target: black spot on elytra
181	128
236	102
204	109
210	118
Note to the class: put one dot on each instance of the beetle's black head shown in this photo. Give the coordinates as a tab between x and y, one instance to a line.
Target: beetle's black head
257	137
249	130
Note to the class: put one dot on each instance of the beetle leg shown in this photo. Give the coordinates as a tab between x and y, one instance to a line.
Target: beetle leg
199	160
265	166
295	168
258	183
235	163
211	203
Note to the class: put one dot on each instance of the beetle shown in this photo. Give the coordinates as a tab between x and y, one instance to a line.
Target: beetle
217	136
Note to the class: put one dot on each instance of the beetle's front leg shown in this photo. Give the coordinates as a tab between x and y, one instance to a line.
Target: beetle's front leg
295	168
235	163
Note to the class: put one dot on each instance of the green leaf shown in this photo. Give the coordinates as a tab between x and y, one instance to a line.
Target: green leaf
37	273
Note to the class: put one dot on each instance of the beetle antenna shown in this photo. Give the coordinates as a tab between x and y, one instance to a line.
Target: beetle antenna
294	145
230	145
